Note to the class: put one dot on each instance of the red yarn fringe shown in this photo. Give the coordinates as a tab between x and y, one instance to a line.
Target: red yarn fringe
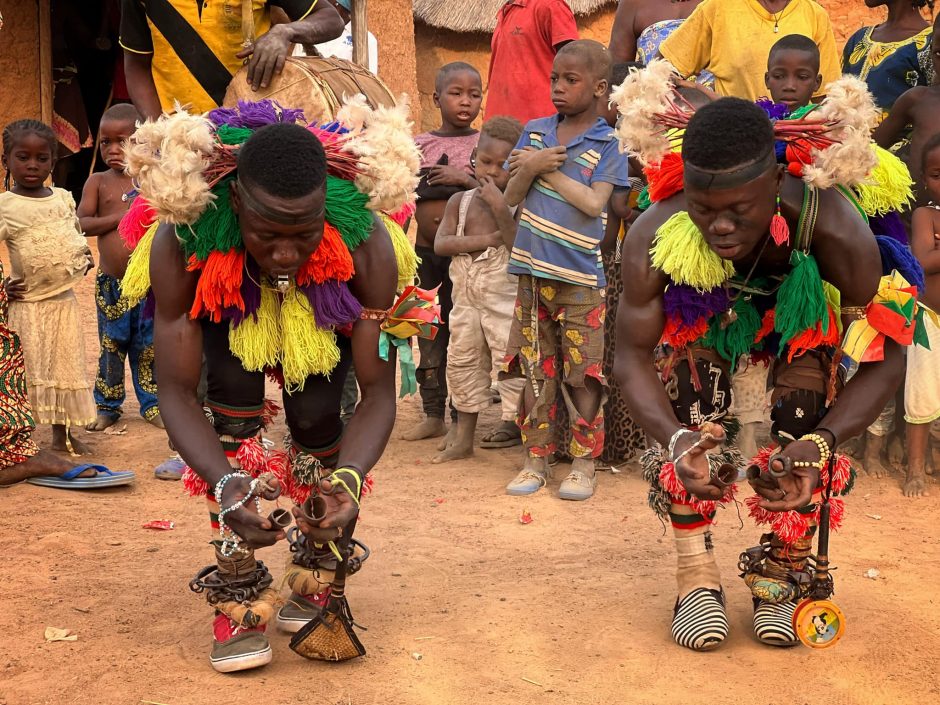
219	284
139	216
666	178
251	456
330	261
671	483
194	485
766	325
269	412
779	230
402	215
678	335
814	337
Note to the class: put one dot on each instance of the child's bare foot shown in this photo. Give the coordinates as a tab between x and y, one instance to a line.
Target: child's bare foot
935	457
871	462
915	484
431	427
157	421
102	422
67	443
896	453
42	464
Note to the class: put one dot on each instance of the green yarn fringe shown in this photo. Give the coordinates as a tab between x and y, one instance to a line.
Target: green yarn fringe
216	229
228	134
346	211
737	338
801	300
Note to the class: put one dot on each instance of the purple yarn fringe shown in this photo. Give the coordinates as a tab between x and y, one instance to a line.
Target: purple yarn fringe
689	304
333	303
889	225
255	114
251	294
775	111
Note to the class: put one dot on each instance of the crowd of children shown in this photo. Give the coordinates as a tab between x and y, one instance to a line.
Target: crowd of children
518	228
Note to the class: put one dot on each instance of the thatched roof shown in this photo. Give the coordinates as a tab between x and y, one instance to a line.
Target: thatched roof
480	15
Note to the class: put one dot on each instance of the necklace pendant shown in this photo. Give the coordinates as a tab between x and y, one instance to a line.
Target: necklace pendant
282	283
776	28
727	318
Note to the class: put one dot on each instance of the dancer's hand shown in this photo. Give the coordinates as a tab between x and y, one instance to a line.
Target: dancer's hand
693	469
252	528
341	509
794	489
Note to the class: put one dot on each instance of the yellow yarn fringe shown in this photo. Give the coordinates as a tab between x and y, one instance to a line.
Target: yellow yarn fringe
257	343
136	281
680	251
834	299
305	349
405	256
887	187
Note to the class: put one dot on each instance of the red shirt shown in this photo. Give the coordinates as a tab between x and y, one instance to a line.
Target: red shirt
523	49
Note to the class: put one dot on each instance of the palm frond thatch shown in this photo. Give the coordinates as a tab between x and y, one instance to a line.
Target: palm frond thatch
480	16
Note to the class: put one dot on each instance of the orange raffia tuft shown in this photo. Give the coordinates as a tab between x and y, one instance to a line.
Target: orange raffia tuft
330	261
814	337
219	285
841	475
666	178
679	336
140	216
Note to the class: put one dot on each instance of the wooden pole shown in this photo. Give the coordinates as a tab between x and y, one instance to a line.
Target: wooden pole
360	33
45	62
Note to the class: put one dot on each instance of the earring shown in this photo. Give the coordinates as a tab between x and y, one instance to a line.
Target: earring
779	228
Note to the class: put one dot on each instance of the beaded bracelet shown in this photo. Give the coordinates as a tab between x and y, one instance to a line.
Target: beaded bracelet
824	450
230	540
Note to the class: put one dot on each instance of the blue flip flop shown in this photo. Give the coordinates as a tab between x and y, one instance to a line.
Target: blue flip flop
71	481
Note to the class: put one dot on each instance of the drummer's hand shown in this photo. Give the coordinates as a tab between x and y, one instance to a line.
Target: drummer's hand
693	469
268	55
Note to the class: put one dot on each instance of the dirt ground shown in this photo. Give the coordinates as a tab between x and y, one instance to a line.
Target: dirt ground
463	603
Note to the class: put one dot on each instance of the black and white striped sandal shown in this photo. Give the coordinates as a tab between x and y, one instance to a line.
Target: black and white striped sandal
773	624
699	621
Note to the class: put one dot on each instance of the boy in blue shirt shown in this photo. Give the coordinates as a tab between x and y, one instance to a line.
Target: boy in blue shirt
564	168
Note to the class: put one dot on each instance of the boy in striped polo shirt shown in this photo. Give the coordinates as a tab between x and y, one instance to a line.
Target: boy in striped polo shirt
564	169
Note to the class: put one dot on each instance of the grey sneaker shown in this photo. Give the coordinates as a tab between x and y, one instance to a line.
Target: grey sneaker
299	610
237	649
527	482
577	486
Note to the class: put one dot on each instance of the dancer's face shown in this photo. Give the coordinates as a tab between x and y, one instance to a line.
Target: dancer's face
278	248
735	220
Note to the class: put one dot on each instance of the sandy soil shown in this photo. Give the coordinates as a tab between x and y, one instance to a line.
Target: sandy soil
463	603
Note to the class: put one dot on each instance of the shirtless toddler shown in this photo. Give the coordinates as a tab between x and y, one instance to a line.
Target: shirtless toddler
122	330
472	235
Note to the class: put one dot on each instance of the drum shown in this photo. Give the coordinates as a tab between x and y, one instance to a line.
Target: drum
315	84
